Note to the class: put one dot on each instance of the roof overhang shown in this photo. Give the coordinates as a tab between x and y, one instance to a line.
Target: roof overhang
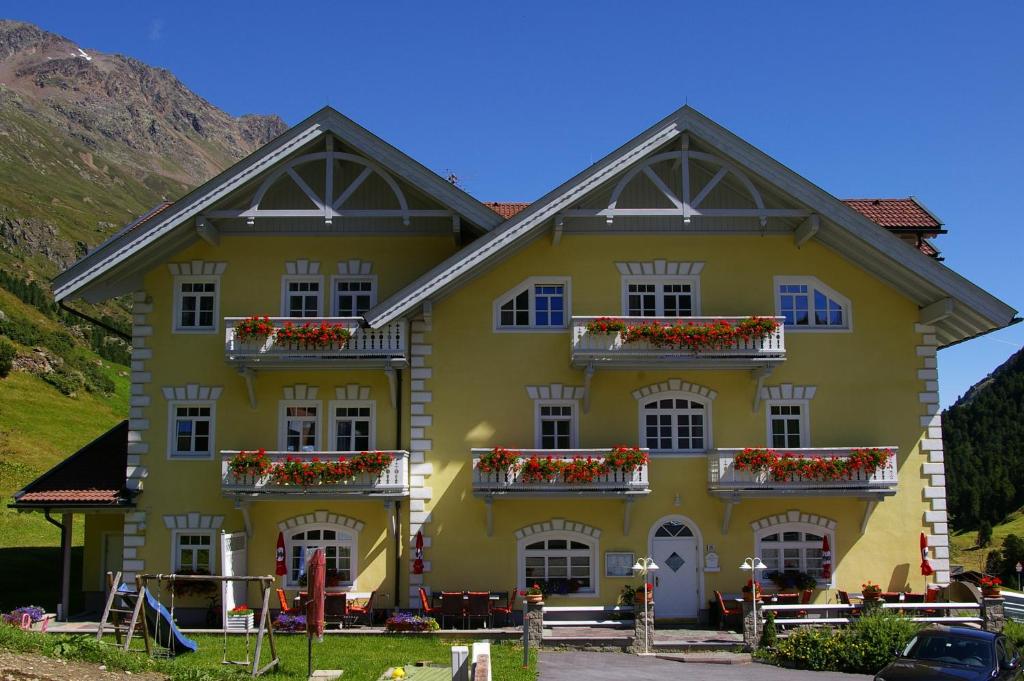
956	307
116	266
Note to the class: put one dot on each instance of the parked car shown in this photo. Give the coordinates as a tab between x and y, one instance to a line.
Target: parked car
955	653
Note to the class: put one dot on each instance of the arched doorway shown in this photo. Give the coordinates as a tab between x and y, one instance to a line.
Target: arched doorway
675	545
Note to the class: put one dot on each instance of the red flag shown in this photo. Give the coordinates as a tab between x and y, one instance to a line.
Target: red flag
926	567
826	558
316	572
282	567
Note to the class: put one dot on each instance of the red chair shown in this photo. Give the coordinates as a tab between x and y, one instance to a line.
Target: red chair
891	596
452	605
285	608
844	598
805	598
478	607
931	596
726	612
505	610
428	610
362	611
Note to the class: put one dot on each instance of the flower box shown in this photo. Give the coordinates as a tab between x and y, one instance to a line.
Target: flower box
240	622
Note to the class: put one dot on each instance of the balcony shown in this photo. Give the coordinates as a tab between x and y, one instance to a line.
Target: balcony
392	482
514	482
617	350
363	346
726	480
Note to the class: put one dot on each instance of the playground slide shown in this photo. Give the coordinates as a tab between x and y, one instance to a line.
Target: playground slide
163	629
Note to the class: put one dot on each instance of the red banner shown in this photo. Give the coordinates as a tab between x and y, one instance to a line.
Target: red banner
282	566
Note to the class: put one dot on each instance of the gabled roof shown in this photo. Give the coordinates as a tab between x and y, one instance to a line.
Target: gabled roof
963	309
92	477
160	229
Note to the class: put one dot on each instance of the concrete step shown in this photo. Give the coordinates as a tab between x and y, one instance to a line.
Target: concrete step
707	657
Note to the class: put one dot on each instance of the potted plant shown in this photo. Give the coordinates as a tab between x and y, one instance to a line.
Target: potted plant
533	594
253	329
640	594
240	618
500	461
249	467
990	586
752	590
627	595
871	591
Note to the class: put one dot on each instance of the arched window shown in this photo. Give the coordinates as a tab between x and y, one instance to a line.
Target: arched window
793	547
565	561
675	422
339	544
673	528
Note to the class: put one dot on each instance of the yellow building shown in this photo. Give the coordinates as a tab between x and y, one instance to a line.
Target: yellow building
766	382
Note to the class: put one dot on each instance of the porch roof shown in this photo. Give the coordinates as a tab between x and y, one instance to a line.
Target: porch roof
92	477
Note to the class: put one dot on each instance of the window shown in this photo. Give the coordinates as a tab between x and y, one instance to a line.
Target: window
353	297
536	305
352	426
566	559
787	424
675	423
195	304
302	297
807	303
793	547
339	547
300	426
659	297
193	552
556	425
191	429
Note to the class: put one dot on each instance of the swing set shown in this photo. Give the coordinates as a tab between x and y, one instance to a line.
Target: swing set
130	609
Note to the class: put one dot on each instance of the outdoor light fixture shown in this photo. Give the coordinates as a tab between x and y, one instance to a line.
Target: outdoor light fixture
645	566
753	565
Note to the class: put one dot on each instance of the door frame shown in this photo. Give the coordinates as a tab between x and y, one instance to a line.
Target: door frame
104	542
701	599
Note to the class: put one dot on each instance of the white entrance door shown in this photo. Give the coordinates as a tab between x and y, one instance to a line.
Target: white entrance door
675	549
113	550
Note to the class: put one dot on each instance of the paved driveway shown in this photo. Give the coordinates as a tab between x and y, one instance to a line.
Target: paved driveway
577	666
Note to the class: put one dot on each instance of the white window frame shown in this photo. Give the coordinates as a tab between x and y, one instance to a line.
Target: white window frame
813	283
574	421
531	285
332	424
176	536
353	543
798	527
591	542
172	430
176	326
372	278
282	423
676	394
661	280
805	420
298	278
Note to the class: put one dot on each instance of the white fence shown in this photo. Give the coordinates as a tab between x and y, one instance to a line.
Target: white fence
839	613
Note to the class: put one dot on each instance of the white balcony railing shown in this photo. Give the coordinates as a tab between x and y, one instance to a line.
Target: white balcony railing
513	482
724	478
393	481
387	342
600	348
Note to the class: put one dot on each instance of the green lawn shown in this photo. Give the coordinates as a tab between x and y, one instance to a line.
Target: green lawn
964	549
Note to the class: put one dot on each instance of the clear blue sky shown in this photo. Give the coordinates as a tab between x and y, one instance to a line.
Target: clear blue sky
865	99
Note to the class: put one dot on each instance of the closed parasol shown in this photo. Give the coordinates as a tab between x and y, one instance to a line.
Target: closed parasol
926	567
826	559
280	567
316	573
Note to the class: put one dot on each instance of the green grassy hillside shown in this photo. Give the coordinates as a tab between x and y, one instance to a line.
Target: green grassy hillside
963	544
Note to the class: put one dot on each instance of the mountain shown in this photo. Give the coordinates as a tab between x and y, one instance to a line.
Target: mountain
984	446
89	140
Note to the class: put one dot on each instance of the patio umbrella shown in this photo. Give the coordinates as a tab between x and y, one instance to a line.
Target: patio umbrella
826	558
316	571
417	564
281	568
926	567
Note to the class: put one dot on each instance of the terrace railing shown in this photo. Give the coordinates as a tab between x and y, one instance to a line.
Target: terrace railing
600	348
388	342
725	478
515	482
393	481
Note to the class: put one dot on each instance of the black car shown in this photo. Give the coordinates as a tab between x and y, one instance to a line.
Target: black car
955	653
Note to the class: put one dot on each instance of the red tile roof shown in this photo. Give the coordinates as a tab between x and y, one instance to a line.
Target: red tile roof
507	209
895	213
61	496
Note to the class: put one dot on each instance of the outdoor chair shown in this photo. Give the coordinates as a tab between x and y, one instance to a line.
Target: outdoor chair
426	607
364	612
844	598
727	612
931	596
335	608
891	596
805	598
452	606
505	611
478	607
283	600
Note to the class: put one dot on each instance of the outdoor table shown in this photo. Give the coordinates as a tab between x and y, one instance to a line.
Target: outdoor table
436	596
782	599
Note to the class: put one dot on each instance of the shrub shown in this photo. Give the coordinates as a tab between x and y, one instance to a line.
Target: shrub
1015	632
984	533
7	354
404	621
65	379
769	636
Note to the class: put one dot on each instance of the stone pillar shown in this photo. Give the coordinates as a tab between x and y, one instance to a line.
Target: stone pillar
751	638
993	618
643	626
533	621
